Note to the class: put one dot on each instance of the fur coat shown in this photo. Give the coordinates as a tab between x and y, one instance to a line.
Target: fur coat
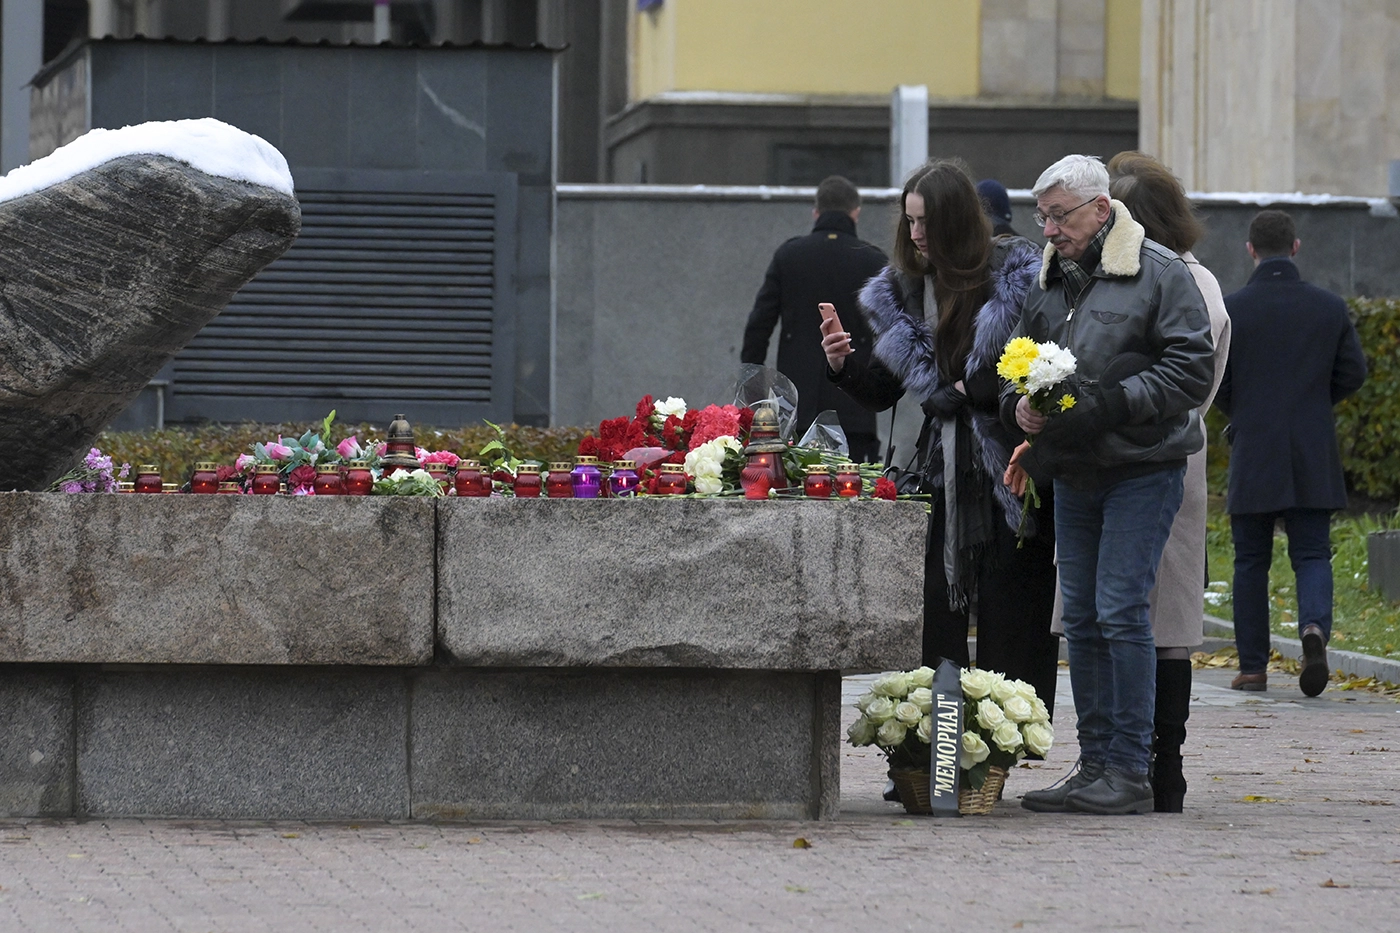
893	304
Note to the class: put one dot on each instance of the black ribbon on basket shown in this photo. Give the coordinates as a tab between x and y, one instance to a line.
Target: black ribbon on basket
947	739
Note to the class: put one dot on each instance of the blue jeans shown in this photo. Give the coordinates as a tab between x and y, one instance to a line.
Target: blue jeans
1310	552
1110	542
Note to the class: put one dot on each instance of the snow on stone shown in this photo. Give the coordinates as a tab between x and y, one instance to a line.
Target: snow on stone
211	146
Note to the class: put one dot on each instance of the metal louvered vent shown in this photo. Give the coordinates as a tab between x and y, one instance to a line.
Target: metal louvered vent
389	299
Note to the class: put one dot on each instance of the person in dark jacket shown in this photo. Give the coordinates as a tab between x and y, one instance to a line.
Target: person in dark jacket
828	265
1293	355
997	204
1129	311
941	314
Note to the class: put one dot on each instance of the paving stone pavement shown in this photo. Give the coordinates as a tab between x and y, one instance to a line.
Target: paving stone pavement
1291	824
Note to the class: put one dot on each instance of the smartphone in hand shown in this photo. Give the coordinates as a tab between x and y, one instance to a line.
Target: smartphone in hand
828	313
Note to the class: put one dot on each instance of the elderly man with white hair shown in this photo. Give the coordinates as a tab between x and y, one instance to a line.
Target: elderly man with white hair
1130	312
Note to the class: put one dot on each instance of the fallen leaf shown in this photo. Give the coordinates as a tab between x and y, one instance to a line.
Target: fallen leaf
1356	732
904	822
291	835
1018	925
1257	798
354	825
1312	761
1309	852
473	840
590	897
1329	883
801	843
795	889
76	855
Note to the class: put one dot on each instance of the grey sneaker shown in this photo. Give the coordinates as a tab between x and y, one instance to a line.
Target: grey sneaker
1113	794
1052	799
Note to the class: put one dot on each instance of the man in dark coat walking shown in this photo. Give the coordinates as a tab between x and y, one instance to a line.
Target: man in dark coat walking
828	265
1294	354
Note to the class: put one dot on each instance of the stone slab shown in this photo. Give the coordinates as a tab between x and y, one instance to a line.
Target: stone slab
776	585
605	744
243	744
1383	563
184	579
36	742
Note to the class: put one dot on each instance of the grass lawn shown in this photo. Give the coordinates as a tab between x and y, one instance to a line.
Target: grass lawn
1361	620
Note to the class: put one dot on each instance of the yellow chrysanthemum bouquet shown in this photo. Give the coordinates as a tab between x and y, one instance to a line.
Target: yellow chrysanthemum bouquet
1038	370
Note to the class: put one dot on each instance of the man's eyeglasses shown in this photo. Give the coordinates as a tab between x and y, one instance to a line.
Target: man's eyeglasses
1058	216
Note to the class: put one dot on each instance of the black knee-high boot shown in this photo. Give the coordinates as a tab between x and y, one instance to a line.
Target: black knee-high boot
1173	708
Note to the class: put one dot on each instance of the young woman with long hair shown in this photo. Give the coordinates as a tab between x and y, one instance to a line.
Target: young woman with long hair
941	313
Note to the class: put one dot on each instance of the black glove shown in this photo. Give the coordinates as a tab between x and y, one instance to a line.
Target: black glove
945	402
1097	411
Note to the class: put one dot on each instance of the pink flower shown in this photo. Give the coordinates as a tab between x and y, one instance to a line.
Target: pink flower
302	491
72	485
279	451
438	456
349	449
244	462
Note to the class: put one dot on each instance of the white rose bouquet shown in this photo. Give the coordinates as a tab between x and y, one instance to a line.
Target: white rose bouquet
1002	720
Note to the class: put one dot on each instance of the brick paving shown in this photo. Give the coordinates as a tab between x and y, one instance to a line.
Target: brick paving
1291	824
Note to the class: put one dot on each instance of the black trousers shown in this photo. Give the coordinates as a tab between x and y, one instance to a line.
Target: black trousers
1015	599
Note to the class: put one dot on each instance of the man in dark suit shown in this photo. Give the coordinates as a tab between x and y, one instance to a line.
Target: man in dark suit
828	265
1294	354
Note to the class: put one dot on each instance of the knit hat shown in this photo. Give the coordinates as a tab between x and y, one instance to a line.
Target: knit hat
994	199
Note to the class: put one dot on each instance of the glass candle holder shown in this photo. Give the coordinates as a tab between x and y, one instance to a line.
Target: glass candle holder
328	482
527	481
559	484
470	481
588	481
266	482
170	487
438	471
767	463
848	482
818	482
148	479
229	489
671	481
624	480
357	480
206	478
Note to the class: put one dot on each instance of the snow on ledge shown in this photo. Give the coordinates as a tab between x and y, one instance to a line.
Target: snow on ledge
211	146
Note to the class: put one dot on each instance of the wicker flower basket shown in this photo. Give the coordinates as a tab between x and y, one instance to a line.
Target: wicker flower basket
913	792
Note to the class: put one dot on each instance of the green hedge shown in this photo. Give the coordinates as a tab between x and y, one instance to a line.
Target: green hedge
1368	423
176	449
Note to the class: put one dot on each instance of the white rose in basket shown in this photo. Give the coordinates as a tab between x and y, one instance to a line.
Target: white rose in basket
974	750
989	715
921	677
862	732
1038	711
1018	710
1007	736
977	683
924	731
1003	690
895	684
892	732
922	697
908	713
1023	689
1039	736
880	710
865	700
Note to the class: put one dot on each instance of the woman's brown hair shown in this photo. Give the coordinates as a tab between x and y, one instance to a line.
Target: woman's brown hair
1156	199
959	238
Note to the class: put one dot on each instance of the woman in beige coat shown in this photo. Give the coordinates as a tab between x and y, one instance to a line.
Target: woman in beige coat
1157	200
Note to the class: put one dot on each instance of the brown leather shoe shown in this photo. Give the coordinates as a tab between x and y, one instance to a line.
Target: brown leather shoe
1256	682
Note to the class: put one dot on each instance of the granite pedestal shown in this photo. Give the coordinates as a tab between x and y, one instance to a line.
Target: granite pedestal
249	657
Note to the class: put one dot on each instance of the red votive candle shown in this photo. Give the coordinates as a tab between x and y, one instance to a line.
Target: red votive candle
848	483
527	481
818	482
